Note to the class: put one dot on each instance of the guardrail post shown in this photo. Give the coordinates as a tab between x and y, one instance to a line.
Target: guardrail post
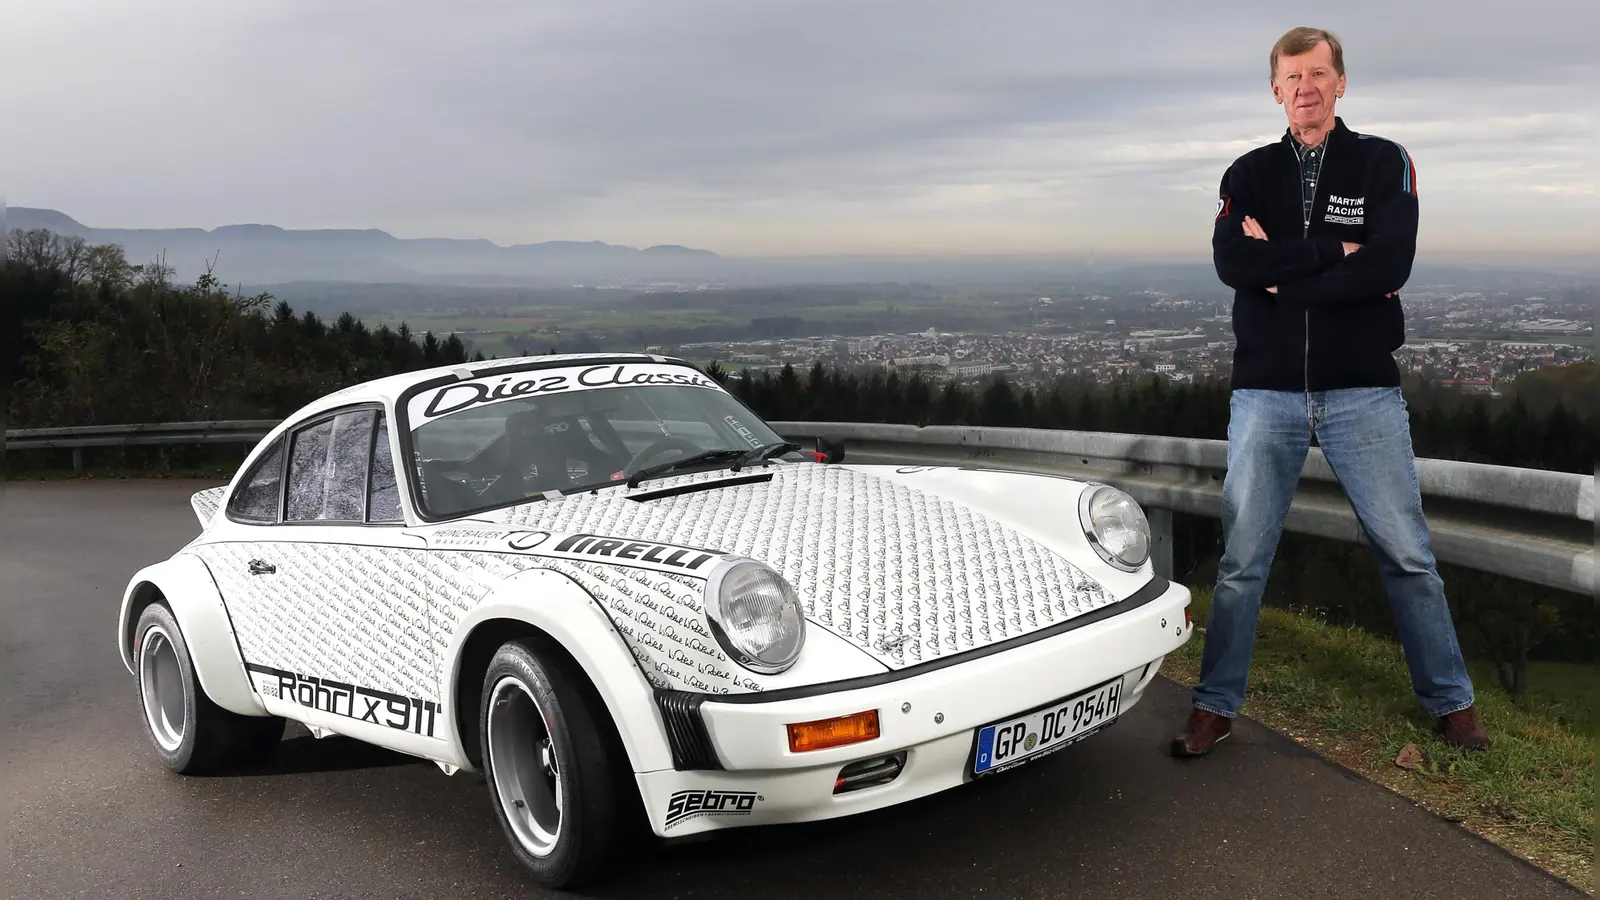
1160	540
77	459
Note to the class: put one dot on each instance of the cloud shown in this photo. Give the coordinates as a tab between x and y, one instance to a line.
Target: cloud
773	127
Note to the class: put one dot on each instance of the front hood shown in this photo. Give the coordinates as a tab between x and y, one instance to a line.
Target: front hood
908	574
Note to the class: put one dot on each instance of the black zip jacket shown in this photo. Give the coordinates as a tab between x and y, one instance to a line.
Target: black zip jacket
1330	325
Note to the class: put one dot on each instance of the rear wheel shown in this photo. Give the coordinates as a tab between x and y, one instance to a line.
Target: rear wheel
555	780
191	734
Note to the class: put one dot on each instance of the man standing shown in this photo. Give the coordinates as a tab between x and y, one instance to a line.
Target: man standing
1316	234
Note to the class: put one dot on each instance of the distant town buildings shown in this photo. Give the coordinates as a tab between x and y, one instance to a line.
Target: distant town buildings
1466	340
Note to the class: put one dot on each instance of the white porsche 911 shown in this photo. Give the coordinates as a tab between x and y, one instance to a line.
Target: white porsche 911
606	584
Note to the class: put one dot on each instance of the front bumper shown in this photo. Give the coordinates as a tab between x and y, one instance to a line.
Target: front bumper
927	721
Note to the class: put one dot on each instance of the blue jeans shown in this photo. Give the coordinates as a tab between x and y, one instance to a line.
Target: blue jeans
1365	435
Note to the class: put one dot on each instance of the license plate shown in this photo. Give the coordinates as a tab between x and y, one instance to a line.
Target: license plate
1047	729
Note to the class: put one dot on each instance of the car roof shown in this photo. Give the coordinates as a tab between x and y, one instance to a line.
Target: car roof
389	388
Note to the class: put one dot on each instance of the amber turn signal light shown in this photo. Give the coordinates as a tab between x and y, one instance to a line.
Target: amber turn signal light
835	732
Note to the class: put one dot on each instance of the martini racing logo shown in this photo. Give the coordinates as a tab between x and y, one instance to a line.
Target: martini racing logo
1345	210
693	804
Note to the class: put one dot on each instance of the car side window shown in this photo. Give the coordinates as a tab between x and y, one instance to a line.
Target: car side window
328	469
383	489
256	500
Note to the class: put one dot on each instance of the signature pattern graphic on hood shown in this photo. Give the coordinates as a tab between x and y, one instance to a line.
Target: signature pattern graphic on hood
658	614
905	575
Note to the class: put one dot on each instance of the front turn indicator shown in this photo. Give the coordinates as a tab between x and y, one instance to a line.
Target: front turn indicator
836	732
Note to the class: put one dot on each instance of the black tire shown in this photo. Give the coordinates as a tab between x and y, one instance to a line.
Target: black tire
195	736
597	816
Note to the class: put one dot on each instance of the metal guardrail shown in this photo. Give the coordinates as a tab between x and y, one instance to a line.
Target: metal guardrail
78	437
1533	525
243	431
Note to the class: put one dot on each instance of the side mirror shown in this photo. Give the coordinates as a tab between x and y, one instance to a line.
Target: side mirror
830	449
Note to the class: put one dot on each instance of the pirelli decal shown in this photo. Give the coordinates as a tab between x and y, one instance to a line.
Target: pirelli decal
644	554
402	713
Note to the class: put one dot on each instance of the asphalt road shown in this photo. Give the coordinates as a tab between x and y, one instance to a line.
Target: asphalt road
92	814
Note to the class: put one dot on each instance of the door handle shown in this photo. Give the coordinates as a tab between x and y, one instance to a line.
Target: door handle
257	567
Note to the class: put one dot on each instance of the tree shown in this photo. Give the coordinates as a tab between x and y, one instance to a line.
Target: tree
38	272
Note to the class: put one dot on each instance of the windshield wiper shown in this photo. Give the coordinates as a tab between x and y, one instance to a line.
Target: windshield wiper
741	458
764	452
703	456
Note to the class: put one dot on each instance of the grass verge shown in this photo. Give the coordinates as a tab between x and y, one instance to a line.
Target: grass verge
1346	694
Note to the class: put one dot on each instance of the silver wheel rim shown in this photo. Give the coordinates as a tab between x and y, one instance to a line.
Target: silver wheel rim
527	772
161	683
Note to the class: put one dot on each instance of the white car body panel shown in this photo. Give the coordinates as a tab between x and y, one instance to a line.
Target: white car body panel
1042	507
190	593
751	735
894	564
912	577
558	607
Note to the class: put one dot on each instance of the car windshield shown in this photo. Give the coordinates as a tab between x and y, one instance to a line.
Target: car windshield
512	436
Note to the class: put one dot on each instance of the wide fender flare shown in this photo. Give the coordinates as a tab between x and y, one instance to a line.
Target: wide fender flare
191	593
570	615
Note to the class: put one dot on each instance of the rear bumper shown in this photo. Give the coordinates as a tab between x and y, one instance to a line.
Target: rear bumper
928	721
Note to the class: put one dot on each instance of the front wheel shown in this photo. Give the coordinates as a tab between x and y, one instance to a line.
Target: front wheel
554	779
191	734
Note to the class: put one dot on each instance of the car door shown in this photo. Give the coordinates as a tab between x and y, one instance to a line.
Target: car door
329	600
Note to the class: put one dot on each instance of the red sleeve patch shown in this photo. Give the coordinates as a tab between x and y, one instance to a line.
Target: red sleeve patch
1224	203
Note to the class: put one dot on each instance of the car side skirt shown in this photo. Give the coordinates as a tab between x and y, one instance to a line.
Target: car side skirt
392	723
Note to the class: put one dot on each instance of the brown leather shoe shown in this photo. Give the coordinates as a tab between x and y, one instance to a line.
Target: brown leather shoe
1204	731
1461	729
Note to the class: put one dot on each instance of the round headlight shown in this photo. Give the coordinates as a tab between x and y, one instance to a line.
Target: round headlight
755	615
1116	526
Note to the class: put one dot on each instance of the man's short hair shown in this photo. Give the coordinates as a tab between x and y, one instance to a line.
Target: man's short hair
1296	41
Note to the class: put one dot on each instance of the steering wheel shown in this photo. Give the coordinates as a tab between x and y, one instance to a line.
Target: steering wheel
667	443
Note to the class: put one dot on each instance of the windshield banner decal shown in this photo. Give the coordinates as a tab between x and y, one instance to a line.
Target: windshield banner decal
457	396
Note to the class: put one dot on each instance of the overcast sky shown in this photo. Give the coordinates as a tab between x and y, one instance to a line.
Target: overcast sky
755	127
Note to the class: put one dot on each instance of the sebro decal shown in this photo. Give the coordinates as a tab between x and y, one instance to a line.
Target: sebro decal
692	804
